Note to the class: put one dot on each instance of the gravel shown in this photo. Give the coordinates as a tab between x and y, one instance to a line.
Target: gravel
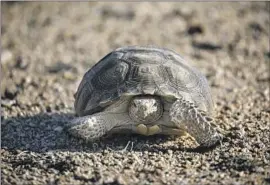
48	46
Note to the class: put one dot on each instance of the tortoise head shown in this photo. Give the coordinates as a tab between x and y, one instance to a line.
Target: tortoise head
145	109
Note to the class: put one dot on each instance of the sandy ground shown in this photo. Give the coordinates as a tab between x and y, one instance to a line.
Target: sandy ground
46	49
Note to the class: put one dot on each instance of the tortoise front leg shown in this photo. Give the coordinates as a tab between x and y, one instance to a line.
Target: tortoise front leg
95	126
189	118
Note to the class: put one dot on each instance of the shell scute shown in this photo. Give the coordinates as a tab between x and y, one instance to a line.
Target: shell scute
140	70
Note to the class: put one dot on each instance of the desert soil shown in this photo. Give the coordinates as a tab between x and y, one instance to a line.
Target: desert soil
46	48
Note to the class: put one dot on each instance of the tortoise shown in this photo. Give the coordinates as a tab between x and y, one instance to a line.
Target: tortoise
144	90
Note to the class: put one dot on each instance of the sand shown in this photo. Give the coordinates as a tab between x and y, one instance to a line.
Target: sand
47	47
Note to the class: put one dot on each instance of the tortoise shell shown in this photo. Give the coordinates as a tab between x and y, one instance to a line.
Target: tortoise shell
135	70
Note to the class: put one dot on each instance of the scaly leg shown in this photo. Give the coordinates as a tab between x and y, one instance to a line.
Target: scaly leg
188	117
95	126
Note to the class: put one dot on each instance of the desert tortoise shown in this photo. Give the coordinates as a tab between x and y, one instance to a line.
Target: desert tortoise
144	90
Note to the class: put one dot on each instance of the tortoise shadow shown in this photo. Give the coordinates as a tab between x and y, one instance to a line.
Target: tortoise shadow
46	132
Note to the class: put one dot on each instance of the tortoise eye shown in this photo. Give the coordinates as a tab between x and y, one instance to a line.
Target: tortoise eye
134	104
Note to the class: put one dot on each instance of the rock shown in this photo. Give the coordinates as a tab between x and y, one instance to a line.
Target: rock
59	67
58	129
21	63
6	56
8	103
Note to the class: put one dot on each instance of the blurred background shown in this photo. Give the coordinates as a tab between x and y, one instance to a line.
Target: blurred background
228	42
46	47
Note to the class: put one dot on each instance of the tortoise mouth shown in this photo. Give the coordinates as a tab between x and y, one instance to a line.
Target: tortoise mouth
145	109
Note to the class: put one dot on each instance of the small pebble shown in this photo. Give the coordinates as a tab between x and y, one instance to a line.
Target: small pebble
58	129
6	56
